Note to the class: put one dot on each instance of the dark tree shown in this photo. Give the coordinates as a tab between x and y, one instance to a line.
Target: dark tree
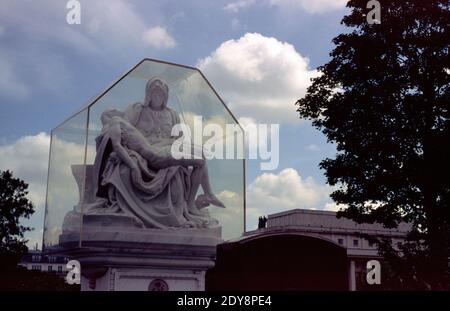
13	206
21	279
384	100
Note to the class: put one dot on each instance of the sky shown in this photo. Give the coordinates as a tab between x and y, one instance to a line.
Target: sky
258	54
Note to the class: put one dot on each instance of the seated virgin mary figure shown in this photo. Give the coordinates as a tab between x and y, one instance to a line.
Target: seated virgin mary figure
136	174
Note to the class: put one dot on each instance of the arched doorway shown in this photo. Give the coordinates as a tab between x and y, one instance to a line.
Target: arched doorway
279	262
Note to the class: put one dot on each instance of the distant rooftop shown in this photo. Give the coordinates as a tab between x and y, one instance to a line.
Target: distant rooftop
327	219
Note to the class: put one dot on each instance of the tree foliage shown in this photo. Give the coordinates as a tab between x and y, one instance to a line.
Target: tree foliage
21	279
14	205
383	99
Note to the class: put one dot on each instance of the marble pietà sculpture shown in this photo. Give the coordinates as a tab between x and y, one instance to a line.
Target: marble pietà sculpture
134	173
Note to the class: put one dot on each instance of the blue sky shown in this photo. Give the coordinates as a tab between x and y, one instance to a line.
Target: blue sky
49	69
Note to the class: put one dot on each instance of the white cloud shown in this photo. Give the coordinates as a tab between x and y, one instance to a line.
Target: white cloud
27	158
334	207
238	5
260	77
158	37
310	6
312	148
272	193
285	190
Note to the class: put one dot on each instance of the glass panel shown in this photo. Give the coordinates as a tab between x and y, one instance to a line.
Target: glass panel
65	178
129	90
190	95
197	99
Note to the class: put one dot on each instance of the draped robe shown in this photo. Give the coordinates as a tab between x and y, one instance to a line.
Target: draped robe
158	199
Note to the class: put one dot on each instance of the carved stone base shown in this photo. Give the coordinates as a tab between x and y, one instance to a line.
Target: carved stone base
140	279
145	259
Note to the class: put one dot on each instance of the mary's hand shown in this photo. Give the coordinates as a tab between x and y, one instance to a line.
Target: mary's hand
136	175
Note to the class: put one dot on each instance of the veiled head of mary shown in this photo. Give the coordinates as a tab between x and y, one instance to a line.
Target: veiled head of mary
156	94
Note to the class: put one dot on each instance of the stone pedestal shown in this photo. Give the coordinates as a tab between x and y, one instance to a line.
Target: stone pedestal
143	259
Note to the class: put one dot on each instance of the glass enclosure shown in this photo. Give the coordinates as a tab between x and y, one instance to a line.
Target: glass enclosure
74	145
